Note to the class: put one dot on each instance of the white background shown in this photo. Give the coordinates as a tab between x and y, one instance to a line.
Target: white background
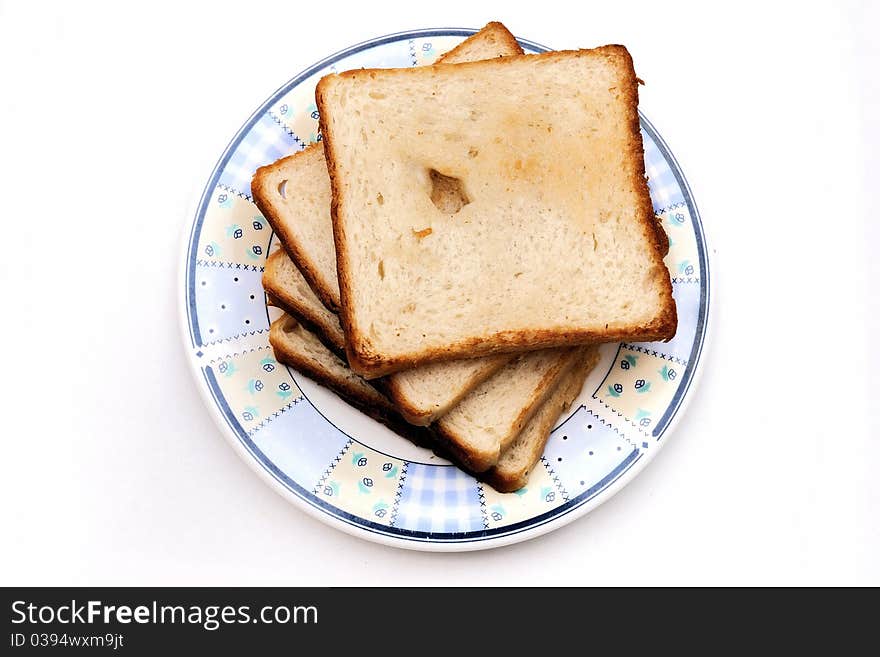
113	471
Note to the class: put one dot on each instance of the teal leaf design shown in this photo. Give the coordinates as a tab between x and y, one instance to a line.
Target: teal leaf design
230	230
645	388
642	413
365	485
497	508
284	394
390	474
522	491
380	505
612	392
548	494
213	250
253	410
356	459
230	369
631	359
664	373
683	266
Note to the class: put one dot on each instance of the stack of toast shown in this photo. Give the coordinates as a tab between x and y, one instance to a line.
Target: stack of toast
462	239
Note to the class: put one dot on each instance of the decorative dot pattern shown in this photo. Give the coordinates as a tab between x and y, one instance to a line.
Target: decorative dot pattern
230	302
588	455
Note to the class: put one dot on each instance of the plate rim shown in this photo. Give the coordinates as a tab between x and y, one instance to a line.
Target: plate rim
473	540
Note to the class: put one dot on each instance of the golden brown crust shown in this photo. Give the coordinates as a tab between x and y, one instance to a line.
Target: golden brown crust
422	417
410	413
261	192
348	327
371	365
285	354
479	462
512	342
666	323
491	29
472	463
662	237
292	305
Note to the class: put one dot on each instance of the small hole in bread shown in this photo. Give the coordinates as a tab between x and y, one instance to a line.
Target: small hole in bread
382	269
473	152
447	192
380	199
282	189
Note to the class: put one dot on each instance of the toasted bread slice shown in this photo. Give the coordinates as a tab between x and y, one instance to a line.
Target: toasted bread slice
485	422
293	193
301	218
553	241
426	393
295	346
515	464
289	290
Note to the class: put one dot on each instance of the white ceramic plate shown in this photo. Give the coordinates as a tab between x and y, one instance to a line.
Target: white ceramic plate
343	467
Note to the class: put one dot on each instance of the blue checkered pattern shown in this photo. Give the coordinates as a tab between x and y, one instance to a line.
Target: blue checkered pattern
439	499
263	144
661	181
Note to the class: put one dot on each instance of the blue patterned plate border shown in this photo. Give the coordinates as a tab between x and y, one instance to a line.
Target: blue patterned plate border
617	410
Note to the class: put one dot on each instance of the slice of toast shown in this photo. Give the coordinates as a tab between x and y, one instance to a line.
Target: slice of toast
295	346
293	193
515	464
300	216
426	393
290	291
485	422
553	240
